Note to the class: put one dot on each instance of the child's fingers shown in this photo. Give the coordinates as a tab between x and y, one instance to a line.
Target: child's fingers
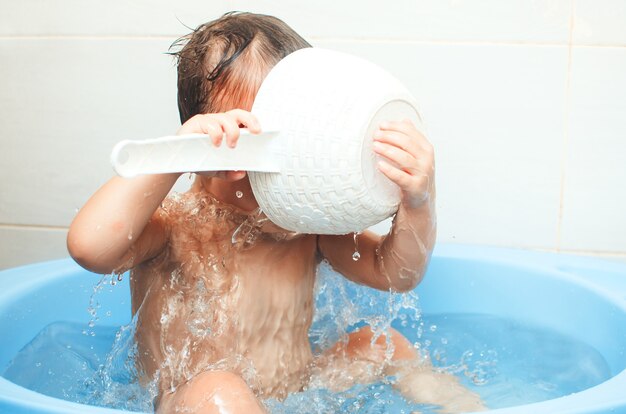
415	187
246	119
230	122
404	126
398	176
407	128
214	130
203	124
399	156
397	139
409	159
208	124
221	126
227	127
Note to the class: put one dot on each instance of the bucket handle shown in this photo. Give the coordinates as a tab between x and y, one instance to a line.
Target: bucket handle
194	152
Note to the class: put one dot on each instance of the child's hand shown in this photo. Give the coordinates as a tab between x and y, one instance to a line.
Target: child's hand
220	127
412	165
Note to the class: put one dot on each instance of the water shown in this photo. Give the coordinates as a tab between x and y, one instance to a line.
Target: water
63	362
508	363
356	255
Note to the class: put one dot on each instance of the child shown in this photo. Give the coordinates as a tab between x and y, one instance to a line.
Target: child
224	298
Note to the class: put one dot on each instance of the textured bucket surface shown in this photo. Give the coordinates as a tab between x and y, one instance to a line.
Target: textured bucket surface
325	105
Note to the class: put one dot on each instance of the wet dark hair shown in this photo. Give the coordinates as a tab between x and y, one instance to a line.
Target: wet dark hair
222	63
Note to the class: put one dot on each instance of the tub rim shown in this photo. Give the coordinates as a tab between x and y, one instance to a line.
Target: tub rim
609	281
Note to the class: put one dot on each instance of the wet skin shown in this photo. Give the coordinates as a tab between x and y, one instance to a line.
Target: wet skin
212	310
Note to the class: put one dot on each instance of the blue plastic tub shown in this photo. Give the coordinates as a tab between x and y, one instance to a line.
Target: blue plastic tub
579	297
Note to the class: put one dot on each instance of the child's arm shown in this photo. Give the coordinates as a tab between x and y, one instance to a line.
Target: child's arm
114	228
396	261
119	226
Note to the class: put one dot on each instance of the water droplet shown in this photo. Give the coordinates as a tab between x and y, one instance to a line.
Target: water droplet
239	194
433	328
130	237
356	255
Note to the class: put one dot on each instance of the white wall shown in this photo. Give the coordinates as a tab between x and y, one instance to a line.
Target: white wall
525	101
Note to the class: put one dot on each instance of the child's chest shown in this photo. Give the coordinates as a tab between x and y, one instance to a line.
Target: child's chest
267	279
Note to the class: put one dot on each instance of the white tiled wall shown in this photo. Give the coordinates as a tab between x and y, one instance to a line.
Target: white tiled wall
594	213
523	99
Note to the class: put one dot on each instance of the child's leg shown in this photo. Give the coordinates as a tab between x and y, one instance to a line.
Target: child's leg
423	384
416	378
359	346
211	392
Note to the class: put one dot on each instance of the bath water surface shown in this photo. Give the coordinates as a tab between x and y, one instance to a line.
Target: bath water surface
506	362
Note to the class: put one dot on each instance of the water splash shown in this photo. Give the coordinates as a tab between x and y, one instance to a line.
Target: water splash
94	304
115	383
193	311
247	233
342	305
496	356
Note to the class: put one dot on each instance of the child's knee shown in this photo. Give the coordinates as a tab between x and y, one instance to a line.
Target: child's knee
211	392
360	344
403	348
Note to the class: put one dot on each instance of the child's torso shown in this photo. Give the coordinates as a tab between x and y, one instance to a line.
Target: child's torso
212	300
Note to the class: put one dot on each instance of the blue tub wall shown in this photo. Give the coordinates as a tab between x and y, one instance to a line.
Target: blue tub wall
582	298
541	289
579	297
54	291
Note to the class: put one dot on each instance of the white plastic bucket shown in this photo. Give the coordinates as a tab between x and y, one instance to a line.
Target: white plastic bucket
313	169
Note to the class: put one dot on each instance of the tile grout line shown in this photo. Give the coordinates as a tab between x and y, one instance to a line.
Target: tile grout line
89	37
566	130
326	39
568	43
